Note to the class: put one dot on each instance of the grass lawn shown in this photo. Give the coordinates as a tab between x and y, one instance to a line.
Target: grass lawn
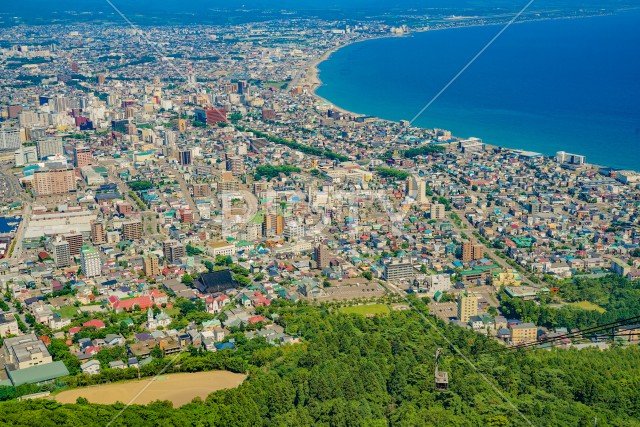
276	85
586	305
173	311
363	310
68	311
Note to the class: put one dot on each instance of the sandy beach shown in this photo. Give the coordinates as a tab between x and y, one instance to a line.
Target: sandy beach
312	76
313	72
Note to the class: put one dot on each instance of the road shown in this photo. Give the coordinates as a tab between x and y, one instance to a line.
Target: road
252	203
491	252
19	238
187	195
149	218
12	191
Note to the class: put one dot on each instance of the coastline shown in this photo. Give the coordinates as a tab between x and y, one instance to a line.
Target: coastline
313	72
313	78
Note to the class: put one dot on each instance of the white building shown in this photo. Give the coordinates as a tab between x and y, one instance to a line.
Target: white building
8	325
293	230
432	284
90	261
10	139
26	351
92	367
162	319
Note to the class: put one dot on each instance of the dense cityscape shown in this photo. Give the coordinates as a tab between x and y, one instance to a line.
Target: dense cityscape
178	197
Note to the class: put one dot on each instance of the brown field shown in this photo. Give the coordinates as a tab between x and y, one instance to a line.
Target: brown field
178	388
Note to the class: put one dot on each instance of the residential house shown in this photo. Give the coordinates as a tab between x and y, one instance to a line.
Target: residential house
91	367
117	364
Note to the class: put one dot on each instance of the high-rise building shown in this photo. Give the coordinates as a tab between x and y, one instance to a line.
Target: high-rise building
119	125
471	251
90	261
269	224
201	190
82	156
210	115
184	157
438	211
173	250
235	165
14	111
25	155
321	254
49	147
467	306
182	125
101	78
132	230
151	266
75	241
417	189
61	253
186	216
10	139
98	235
293	230
170	137
396	269
55	179
572	159
279	225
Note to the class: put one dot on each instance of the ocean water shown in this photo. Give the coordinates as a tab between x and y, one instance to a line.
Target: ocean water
5	226
546	86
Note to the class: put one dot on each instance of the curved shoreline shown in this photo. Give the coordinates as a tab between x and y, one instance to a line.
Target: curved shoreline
315	81
313	72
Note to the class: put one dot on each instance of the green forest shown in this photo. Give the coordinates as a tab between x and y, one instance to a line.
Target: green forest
355	371
615	294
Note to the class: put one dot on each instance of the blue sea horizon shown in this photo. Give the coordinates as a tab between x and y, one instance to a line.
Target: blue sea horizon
560	85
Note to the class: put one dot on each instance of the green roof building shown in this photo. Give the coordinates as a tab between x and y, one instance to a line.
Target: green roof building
38	374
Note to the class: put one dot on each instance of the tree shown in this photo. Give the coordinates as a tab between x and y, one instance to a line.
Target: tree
187	279
157	352
223	260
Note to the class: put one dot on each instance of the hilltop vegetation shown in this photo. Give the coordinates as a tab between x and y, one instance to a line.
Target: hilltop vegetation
618	298
354	371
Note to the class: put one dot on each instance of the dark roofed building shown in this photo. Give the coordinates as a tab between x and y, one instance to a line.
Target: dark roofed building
218	281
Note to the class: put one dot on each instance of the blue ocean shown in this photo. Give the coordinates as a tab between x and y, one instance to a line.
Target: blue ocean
9	224
546	86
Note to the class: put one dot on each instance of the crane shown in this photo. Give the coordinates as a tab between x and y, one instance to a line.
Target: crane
441	377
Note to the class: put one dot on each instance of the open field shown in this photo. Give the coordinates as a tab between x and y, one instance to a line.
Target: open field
586	305
178	388
276	85
67	311
364	310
